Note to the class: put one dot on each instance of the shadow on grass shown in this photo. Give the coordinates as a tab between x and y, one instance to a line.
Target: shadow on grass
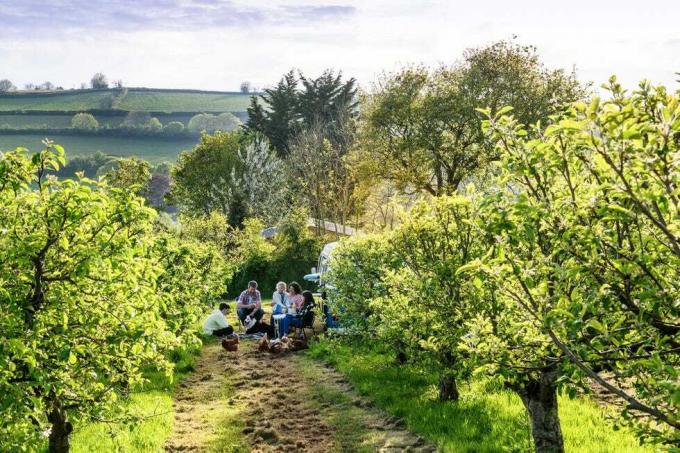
484	420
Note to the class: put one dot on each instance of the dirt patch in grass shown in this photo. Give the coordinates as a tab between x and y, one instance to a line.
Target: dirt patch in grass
260	402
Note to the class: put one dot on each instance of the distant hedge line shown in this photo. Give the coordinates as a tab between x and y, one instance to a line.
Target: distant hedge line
105	90
108	112
102	132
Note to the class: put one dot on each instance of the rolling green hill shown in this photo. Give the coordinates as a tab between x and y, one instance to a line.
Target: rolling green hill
69	101
147	99
163	101
28	117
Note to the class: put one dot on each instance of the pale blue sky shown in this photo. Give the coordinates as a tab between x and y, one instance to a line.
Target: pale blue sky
215	44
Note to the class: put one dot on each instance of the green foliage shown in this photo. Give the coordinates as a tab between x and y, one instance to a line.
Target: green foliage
237	178
288	257
588	248
203	178
205	122
131	174
357	270
173	128
141	120
288	110
89	165
427	296
154	125
84	121
561	275
91	296
420	129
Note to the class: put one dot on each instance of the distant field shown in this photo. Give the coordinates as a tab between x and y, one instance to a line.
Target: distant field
147	100
47	121
152	149
63	101
59	121
184	102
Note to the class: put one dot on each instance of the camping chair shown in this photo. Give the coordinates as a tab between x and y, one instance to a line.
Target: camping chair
308	316
241	326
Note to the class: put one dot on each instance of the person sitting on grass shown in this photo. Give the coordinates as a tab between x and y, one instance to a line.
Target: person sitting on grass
304	316
249	306
216	324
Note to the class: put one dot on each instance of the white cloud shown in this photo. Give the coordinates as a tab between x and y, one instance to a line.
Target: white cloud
261	40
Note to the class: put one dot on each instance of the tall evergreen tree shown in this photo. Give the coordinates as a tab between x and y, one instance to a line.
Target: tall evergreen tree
256	117
323	102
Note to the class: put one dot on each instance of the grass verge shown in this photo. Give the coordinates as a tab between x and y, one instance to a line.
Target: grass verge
153	401
486	419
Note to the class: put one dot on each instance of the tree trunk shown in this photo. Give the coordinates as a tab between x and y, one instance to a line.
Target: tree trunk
401	358
540	398
61	430
448	390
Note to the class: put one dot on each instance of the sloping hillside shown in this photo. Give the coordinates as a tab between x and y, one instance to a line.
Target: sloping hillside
147	99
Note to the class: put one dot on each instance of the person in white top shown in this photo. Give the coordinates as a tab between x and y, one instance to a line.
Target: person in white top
280	298
280	303
217	323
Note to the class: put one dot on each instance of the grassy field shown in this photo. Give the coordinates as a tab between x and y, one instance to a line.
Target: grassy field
63	101
486	419
184	102
155	150
36	121
147	100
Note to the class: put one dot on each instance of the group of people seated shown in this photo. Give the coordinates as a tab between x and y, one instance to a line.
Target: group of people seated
291	307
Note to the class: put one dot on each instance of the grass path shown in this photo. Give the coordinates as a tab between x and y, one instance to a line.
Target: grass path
252	401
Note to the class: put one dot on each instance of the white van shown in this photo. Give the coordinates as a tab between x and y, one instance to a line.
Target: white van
318	272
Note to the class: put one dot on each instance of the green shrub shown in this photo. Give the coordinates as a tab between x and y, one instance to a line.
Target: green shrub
84	121
288	257
357	270
173	128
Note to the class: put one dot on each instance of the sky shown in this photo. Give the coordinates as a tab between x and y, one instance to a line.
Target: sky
217	44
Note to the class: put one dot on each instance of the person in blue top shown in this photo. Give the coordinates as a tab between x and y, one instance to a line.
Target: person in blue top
303	317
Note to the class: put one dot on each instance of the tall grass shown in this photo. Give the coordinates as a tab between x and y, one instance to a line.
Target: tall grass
486	419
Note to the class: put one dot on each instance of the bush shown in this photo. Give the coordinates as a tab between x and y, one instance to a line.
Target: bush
97	163
84	121
205	122
136	120
288	257
154	125
173	128
357	271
